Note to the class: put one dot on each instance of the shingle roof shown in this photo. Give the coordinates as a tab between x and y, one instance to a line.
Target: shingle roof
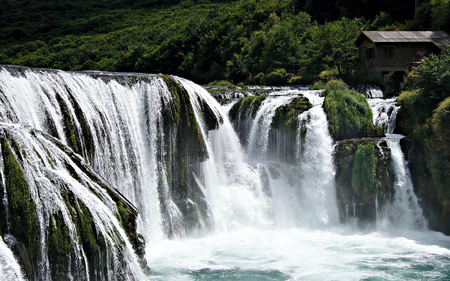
439	38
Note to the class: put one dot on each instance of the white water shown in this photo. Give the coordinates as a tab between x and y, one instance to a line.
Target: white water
371	91
268	220
384	113
9	267
290	232
404	210
47	180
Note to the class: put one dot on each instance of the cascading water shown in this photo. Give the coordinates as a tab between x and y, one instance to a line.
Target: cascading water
404	210
9	267
246	215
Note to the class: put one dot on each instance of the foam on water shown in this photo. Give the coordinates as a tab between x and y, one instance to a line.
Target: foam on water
301	254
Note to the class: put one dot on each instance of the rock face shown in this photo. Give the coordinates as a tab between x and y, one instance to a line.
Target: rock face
58	210
364	179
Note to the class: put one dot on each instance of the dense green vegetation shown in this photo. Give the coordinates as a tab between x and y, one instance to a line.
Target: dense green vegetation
425	117
267	42
256	41
349	115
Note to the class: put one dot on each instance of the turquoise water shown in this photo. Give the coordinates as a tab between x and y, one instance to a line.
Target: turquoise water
340	253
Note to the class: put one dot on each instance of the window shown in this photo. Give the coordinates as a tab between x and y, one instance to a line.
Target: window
370	54
388	52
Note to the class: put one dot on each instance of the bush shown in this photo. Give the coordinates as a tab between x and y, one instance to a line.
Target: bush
220	83
277	77
297	80
318	86
348	113
259	78
334	85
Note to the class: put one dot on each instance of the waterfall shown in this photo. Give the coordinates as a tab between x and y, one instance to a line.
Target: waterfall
258	143
302	193
104	156
9	268
404	209
70	204
384	113
316	165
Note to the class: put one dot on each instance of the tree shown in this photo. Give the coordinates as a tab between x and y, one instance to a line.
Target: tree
331	45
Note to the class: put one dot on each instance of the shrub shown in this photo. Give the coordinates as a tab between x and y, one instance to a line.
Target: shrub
220	83
276	77
348	113
318	86
259	78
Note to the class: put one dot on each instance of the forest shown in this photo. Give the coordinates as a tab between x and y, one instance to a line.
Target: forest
251	42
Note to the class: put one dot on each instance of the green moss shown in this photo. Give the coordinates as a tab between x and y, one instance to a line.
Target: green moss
364	168
23	219
59	246
49	160
186	145
286	117
211	120
244	104
363	175
348	113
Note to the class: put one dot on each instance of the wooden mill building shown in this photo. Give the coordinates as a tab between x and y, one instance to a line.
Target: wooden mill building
388	54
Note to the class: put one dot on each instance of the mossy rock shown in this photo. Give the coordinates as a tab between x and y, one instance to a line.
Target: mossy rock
187	150
23	218
363	169
348	113
212	122
286	116
243	105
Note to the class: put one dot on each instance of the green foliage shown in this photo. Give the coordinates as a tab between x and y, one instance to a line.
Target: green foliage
276	77
318	86
199	40
434	77
432	15
330	10
259	78
297	80
286	117
364	168
331	45
334	85
348	113
220	83
424	116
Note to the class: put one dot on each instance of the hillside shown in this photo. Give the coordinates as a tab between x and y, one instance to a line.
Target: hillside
240	41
